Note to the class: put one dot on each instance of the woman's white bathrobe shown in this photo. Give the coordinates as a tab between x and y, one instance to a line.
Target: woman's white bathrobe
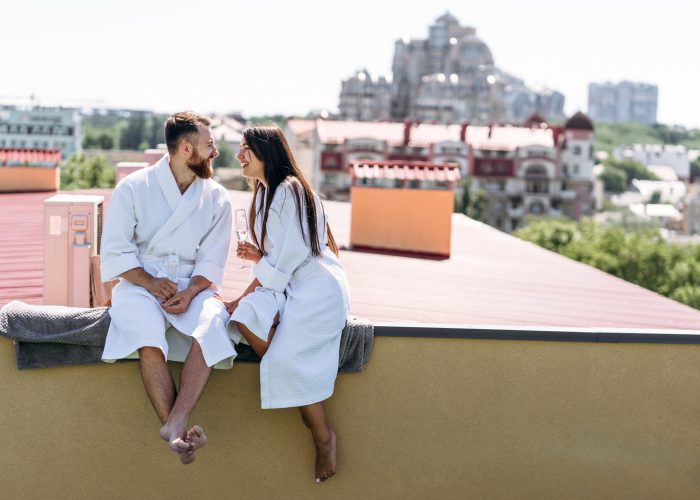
301	364
147	216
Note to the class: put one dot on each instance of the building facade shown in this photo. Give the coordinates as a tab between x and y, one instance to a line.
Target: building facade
658	155
41	128
448	77
535	169
623	102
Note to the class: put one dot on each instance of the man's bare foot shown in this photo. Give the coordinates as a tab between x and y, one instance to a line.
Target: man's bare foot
325	458
176	438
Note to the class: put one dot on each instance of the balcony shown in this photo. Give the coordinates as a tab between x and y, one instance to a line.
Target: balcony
516	212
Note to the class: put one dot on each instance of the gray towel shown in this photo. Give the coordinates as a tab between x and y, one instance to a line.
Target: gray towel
54	335
356	343
47	336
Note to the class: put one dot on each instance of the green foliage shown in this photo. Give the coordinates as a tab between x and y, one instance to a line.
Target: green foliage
609	136
695	168
279	120
79	173
227	157
655	197
471	203
614	179
640	256
632	168
139	131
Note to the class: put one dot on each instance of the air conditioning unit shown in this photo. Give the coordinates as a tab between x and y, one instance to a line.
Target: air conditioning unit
72	234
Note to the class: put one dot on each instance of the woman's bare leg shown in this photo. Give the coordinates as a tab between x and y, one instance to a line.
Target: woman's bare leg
256	343
314	417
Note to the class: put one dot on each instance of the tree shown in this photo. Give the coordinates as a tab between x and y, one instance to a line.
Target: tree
133	135
471	203
695	169
227	157
614	179
655	198
80	173
633	169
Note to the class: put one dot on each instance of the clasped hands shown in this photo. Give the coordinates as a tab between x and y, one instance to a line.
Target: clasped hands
172	301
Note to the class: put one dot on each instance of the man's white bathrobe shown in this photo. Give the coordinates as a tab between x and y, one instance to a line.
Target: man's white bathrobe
311	294
147	216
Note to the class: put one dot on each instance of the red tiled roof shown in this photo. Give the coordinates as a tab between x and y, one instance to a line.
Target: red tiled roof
422	135
30	157
403	170
491	278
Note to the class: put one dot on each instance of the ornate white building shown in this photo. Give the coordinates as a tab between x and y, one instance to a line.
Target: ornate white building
447	78
534	169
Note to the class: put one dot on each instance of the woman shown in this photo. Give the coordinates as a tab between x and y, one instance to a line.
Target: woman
294	311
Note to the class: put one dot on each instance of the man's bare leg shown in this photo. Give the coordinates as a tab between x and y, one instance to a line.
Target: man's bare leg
314	417
158	381
194	376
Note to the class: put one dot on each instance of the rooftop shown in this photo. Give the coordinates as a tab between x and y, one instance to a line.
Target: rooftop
423	134
491	278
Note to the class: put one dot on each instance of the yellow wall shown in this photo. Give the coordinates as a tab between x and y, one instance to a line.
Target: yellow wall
413	220
13	179
429	418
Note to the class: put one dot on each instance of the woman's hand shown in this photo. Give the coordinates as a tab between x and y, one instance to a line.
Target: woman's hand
248	251
231	306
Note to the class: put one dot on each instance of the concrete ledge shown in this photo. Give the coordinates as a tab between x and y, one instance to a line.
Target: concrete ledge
428	418
495	332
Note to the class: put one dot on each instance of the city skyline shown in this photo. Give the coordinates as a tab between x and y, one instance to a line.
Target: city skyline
273	58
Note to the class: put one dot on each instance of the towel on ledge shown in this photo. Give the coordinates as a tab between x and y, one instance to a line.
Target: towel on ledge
47	336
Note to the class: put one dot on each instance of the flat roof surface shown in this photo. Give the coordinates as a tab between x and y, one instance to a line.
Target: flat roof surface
491	278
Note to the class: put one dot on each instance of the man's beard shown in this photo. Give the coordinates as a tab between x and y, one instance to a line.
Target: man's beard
200	166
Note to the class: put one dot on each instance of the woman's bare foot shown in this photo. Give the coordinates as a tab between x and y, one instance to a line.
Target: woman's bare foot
325	458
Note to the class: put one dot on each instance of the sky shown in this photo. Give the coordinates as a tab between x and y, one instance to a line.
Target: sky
271	56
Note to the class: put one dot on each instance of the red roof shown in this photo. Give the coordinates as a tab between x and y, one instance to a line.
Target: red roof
30	157
402	170
491	278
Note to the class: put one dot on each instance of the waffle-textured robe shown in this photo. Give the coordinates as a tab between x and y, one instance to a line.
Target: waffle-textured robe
311	294
147	216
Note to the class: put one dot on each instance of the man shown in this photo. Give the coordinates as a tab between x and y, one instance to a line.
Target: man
166	236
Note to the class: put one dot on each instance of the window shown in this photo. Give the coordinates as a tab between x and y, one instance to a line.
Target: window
565	168
576	169
577	150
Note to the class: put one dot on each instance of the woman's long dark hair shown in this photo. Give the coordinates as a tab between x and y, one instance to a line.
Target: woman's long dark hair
268	144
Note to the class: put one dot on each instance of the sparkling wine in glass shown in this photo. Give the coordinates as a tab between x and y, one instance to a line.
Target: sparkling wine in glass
241	223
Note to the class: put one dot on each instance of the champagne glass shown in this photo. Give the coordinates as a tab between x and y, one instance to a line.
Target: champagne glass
241	222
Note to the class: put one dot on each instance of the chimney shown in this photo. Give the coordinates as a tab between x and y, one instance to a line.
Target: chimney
406	132
463	131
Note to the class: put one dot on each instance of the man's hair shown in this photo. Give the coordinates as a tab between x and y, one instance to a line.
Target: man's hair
182	125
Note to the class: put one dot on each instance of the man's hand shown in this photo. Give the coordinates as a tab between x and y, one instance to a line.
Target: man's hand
248	251
178	303
162	288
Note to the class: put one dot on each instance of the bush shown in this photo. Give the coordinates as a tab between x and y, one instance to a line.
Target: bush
80	173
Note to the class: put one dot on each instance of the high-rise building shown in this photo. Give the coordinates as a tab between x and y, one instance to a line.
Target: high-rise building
447	78
623	102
